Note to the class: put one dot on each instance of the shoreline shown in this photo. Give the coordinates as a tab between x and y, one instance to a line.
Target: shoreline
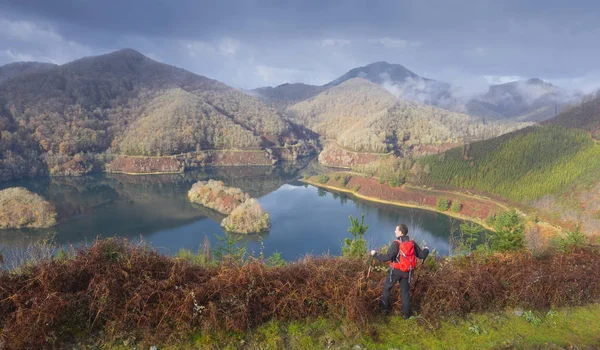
399	203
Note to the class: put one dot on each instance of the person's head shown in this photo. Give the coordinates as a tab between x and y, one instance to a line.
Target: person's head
401	230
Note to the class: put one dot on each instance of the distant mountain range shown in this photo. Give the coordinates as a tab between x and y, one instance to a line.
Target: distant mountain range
363	116
528	100
74	118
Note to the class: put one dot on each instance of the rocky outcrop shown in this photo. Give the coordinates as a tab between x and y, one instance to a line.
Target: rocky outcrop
249	217
20	208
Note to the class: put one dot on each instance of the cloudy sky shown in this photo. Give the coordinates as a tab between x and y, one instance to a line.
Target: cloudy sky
251	43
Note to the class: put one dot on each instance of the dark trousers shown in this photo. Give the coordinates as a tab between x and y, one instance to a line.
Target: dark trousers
389	282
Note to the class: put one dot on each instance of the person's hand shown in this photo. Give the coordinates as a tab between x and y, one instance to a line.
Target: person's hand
373	252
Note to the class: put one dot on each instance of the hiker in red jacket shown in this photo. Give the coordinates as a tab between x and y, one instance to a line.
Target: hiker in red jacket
402	256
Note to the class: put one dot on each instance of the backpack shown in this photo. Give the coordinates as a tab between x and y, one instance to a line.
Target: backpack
405	260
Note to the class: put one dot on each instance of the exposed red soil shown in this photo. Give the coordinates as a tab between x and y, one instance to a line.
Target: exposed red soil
178	163
232	158
144	165
370	187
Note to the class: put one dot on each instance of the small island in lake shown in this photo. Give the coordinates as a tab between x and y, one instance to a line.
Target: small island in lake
215	195
21	208
245	214
248	217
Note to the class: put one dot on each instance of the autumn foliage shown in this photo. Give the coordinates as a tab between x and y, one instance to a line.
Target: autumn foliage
116	289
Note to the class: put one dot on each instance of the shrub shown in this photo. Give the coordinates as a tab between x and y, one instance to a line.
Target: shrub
357	246
356	188
510	231
381	180
469	235
345	180
228	249
571	240
132	295
490	219
275	259
532	318
202	257
21	208
337	177
456	206
248	217
323	178
442	204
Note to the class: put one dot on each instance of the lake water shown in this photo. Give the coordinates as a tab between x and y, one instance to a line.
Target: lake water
305	219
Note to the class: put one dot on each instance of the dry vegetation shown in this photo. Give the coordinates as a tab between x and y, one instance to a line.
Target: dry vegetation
121	291
215	195
248	217
21	208
245	214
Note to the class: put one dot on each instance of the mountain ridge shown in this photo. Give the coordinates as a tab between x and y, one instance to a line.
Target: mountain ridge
518	100
15	69
71	119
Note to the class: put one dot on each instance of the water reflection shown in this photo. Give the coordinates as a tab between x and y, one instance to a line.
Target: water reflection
305	219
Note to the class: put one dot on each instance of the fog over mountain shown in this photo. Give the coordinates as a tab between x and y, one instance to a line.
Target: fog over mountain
11	70
522	100
249	44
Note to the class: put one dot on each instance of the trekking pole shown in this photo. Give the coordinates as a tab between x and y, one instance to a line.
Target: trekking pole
370	267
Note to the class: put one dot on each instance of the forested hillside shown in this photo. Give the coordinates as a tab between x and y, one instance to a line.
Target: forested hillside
285	95
520	166
69	119
526	100
584	115
16	69
180	121
363	116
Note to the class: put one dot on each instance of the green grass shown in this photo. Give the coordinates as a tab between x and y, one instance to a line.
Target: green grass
520	166
577	327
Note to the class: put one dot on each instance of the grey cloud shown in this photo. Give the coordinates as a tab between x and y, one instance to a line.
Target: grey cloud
248	43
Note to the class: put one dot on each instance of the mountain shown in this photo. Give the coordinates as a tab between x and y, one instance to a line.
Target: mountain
286	94
12	70
71	119
378	73
526	100
362	116
584	115
396	78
